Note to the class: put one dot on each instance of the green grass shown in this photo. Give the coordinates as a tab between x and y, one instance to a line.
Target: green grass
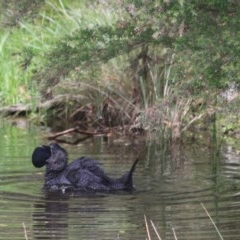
13	86
23	47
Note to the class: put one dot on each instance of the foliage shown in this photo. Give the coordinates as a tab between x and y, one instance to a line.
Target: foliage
24	44
132	52
190	29
212	39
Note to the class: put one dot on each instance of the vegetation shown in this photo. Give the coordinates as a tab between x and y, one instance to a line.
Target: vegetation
149	64
147	225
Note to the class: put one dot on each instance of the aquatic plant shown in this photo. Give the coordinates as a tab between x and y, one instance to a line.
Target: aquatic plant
146	221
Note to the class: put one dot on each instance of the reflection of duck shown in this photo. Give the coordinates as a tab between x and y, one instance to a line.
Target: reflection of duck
50	217
84	174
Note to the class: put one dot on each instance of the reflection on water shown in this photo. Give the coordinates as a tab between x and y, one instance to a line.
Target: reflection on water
171	181
50	217
91	216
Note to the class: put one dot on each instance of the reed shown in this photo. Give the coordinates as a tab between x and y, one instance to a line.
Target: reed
153	227
165	109
206	211
25	230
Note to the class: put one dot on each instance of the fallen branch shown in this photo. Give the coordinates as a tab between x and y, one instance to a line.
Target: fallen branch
73	142
70	130
77	130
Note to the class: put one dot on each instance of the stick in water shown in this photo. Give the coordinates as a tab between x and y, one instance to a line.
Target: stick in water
146	224
155	230
212	221
25	230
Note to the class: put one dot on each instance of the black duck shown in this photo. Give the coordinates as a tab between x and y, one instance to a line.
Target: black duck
83	174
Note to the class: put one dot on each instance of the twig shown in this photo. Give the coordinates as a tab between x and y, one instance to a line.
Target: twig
155	230
211	220
25	230
146	224
70	130
75	142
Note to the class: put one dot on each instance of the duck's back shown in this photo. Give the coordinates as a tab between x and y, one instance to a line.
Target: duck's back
86	174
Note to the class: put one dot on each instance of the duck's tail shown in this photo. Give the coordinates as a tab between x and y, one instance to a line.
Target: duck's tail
127	178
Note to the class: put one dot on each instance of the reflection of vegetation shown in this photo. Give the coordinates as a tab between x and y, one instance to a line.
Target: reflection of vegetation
135	53
16	168
12	139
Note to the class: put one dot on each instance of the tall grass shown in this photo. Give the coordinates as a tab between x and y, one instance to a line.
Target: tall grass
13	84
23	47
165	110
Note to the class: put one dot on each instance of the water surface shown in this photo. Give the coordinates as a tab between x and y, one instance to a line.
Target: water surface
171	181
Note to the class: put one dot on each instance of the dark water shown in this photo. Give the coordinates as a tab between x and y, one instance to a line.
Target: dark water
171	181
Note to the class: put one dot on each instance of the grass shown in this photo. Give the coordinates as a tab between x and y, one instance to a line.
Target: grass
13	84
23	47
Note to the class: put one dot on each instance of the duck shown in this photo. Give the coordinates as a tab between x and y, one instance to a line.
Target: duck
83	174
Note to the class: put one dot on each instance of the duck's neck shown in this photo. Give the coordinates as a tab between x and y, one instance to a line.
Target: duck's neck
51	177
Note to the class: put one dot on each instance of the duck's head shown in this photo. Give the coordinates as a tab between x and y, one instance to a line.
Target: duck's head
54	156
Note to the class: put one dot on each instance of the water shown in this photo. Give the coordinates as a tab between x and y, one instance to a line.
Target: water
173	185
